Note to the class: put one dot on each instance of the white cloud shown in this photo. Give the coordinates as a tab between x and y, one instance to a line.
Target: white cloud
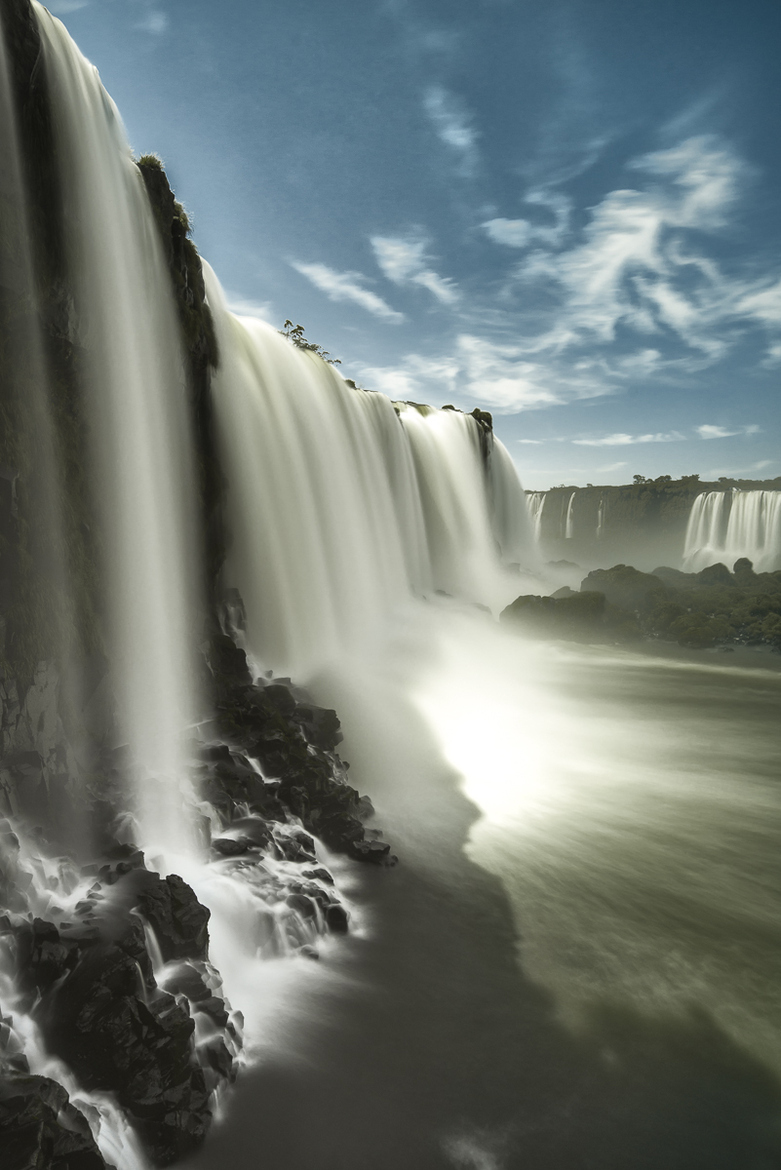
453	125
244	307
763	304
637	266
621	440
535	442
154	22
418	378
612	466
404	260
482	371
495	375
708	431
346	286
519	233
772	356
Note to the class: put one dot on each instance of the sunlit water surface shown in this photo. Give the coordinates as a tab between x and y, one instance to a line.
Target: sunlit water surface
576	963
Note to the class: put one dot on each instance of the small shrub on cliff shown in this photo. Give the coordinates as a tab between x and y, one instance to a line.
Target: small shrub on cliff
295	333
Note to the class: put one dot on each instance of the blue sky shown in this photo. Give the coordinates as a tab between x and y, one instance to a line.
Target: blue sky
563	212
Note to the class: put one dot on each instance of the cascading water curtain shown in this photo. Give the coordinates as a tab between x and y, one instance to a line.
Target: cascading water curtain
127	332
724	526
344	506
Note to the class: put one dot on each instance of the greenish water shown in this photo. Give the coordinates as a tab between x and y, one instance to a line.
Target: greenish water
576	963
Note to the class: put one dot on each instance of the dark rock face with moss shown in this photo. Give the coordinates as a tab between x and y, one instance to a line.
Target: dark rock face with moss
696	610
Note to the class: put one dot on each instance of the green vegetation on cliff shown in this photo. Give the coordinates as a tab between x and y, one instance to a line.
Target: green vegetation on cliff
696	610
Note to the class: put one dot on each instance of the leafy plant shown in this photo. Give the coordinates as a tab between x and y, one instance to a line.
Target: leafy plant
295	333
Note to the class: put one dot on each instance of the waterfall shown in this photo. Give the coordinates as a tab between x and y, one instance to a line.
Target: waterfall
345	506
724	526
600	517
536	505
126	331
345	513
569	525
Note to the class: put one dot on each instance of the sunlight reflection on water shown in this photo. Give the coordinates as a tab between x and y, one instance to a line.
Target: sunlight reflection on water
631	810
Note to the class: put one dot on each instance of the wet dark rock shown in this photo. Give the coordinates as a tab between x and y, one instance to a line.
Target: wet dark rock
376	852
253	830
321	874
214	1007
302	905
116	1036
337	919
230	846
217	1057
171	908
41	1130
184	979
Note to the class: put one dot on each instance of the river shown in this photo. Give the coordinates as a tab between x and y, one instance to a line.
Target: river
576	962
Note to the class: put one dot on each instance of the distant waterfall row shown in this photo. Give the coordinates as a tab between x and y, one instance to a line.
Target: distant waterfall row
724	526
660	523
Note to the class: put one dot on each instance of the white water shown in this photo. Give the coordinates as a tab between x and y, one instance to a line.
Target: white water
126	328
51	888
535	502
569	525
345	509
724	526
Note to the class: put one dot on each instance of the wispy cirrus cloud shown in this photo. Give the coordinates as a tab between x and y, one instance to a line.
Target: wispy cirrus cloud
640	269
245	307
709	431
631	267
155	22
347	286
453	126
482	371
404	261
621	440
520	233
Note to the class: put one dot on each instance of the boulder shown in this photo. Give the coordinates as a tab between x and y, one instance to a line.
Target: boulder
629	589
41	1130
171	908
